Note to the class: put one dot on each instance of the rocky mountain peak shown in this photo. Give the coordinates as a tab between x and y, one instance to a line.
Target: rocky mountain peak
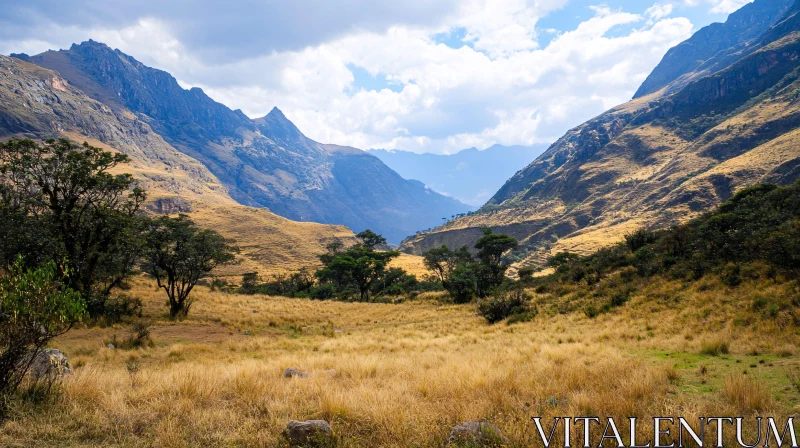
714	47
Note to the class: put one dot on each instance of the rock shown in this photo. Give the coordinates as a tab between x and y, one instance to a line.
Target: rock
170	206
476	434
49	364
111	346
292	373
309	433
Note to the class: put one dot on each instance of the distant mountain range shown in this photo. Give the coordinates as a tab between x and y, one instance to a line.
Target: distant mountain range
470	175
266	162
719	113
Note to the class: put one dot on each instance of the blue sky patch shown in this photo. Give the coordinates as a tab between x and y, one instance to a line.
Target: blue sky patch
363	80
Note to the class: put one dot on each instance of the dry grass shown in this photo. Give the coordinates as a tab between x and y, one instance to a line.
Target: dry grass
413	264
404	374
747	393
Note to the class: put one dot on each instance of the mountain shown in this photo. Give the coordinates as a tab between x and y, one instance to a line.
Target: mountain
470	175
661	158
39	103
266	162
714	46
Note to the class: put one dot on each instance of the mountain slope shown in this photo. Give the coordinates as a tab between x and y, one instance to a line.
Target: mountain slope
714	47
265	162
455	174
38	103
655	161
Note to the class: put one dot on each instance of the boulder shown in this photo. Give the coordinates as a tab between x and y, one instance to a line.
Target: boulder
49	364
476	434
294	373
170	206
309	433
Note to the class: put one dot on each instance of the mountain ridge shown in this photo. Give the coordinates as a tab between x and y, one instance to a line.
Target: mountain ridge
712	46
37	103
266	162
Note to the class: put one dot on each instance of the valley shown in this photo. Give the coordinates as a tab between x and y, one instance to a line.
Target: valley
178	272
394	374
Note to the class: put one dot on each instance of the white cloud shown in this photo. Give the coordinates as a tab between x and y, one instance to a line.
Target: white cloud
727	6
504	87
719	6
658	12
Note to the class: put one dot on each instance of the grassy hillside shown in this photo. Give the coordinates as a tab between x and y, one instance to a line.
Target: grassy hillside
655	161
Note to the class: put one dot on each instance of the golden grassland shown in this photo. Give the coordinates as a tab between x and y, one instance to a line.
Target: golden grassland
401	375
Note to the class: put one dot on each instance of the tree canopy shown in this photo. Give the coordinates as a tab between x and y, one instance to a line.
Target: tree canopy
178	254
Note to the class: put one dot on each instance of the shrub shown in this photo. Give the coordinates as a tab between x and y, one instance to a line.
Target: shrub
323	292
715	348
731	275
462	284
639	239
35	307
504	304
120	306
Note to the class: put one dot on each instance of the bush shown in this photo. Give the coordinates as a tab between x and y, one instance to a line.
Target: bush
323	292
639	239
120	306
35	307
715	348
504	304
462	284
526	274
731	275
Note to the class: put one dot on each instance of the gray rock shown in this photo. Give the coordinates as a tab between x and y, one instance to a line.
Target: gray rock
476	434
294	373
170	206
111	346
49	364
309	433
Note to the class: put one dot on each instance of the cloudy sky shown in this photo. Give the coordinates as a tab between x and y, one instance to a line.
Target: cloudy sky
418	75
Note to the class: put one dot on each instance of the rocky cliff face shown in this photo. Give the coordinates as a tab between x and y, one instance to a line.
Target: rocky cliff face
265	162
657	160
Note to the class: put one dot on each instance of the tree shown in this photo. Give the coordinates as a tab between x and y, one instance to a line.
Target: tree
357	268
249	283
441	260
35	307
491	247
59	202
463	283
178	254
371	239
